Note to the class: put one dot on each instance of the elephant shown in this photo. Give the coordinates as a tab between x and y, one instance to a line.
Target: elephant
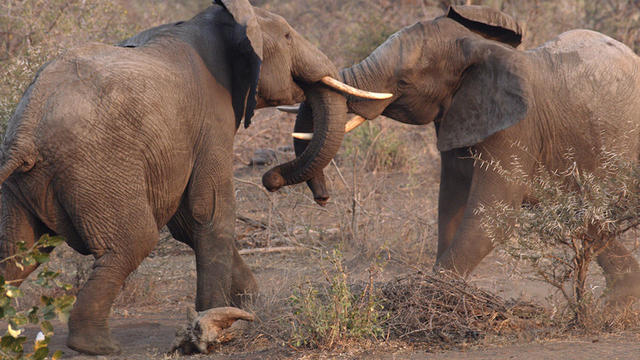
463	71
111	143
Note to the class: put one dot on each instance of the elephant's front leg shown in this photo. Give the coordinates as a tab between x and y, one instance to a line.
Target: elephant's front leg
222	274
470	243
455	181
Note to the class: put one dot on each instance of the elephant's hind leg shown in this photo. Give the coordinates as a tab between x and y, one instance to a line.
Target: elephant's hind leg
622	273
17	225
121	247
206	222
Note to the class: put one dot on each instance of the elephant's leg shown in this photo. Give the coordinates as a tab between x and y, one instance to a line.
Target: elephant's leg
621	271
207	222
119	245
455	183
17	225
470	243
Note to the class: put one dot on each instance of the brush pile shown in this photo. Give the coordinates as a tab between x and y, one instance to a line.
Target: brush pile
445	310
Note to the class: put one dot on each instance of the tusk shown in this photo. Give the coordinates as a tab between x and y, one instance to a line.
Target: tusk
354	123
291	109
329	81
351	125
303	136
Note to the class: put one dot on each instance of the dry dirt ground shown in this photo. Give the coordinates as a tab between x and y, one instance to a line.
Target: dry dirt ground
393	226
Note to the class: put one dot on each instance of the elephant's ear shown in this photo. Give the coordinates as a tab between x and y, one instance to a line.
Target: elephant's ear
242	12
247	42
489	23
493	95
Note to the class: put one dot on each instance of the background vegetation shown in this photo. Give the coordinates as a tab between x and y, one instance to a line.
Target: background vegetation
384	184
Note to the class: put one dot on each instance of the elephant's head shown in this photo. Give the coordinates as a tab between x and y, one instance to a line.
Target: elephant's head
284	68
460	70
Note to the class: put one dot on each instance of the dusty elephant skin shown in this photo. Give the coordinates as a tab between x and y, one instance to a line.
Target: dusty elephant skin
464	72
111	143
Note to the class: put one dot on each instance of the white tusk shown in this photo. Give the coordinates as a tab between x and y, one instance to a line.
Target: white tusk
340	86
303	136
351	125
354	123
291	109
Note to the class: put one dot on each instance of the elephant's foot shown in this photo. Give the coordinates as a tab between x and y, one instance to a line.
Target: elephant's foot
243	283
623	289
93	341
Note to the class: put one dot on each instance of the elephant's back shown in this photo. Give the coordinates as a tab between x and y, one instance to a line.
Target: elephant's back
588	44
98	93
583	65
586	89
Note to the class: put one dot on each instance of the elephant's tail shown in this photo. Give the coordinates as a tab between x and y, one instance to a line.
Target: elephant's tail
11	164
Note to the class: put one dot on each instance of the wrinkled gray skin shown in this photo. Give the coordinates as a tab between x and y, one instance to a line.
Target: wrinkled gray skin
109	144
578	91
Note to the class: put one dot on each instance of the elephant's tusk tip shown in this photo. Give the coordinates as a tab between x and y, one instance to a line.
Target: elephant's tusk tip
290	109
349	126
354	123
302	136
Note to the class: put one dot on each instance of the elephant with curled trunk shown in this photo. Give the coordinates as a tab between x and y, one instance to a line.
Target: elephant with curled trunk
111	143
463	72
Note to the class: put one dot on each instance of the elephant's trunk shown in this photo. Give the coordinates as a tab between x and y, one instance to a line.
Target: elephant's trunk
329	112
304	124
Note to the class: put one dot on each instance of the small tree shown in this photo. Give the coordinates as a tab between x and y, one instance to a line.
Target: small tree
576	216
12	343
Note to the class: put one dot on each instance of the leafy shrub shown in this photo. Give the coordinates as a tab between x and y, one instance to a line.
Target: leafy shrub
327	315
12	343
577	213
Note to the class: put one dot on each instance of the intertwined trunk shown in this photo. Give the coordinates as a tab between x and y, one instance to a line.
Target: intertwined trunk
329	110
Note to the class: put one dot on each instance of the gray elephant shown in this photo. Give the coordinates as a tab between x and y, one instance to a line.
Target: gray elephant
111	143
463	72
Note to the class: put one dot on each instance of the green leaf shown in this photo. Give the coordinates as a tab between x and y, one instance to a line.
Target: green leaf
41	258
47	328
12	291
41	353
57	355
50	241
66	287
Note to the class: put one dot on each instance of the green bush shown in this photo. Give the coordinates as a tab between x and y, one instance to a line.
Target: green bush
325	316
12	343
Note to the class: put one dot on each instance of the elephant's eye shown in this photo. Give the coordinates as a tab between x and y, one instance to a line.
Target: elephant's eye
287	36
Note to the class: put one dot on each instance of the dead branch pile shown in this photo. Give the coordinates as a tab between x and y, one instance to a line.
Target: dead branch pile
446	310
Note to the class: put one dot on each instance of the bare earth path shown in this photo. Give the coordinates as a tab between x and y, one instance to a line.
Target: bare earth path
147	332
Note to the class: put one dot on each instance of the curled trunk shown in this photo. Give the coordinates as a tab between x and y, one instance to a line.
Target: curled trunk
329	114
304	124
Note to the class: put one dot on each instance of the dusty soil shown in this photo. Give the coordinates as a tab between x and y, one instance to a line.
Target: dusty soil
393	226
146	332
